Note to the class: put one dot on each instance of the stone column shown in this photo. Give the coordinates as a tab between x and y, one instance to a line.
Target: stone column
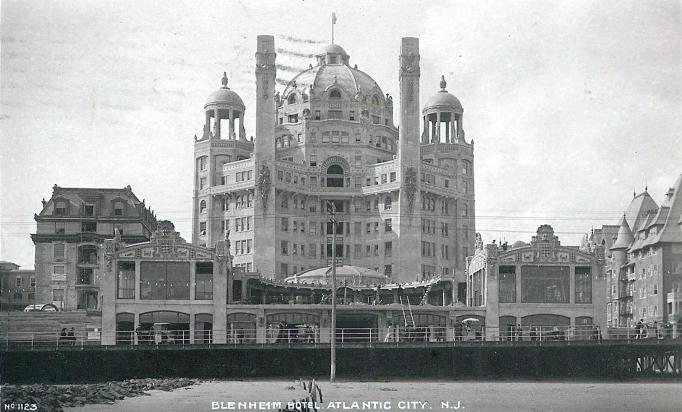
406	225
438	127
216	119
264	158
220	277
233	134
453	128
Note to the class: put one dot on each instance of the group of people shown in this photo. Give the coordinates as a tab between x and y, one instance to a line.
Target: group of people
467	331
67	337
658	330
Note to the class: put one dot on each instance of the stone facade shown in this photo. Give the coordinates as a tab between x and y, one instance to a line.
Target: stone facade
404	200
71	228
646	263
543	284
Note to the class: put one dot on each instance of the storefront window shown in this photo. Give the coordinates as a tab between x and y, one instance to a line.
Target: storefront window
545	284
583	285
507	285
204	281
164	280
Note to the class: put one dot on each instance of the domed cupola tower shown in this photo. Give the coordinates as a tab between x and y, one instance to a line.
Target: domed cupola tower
442	117
223	141
224	109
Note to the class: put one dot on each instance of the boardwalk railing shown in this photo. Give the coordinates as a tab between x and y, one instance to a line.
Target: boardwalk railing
313	335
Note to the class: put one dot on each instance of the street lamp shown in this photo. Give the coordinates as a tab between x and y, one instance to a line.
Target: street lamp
331	207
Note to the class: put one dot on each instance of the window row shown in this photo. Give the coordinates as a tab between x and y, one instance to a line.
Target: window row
165	281
545	284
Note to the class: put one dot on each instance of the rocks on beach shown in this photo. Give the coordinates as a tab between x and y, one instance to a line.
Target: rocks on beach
55	397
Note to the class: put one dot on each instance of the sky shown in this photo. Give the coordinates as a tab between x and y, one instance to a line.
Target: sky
572	105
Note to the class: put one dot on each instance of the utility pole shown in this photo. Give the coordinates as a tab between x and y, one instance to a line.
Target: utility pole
331	207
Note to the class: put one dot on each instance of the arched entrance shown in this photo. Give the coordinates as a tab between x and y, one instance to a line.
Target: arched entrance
166	327
241	328
125	328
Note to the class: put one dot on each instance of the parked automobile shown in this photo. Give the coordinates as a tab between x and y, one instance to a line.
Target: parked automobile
41	307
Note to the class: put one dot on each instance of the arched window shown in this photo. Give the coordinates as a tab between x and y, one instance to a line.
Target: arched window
292	98
375	99
335	176
388	203
335	94
202	206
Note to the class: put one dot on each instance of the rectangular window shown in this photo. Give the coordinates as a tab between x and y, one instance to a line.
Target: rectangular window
204	281
59	251
89	210
583	284
284	247
60	209
357	228
285	224
507	284
89	227
384	178
126	280
317	115
60	228
118	209
358	250
284	269
351	115
202	183
388	225
164	280
376	250
545	284
392	176
388	249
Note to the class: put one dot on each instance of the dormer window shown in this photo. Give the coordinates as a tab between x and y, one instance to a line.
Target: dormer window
291	99
375	100
118	209
60	208
333	59
89	210
335	94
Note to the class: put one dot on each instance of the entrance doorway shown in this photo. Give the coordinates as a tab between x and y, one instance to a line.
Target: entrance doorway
356	327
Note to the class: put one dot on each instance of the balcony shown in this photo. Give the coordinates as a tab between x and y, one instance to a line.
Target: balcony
87	255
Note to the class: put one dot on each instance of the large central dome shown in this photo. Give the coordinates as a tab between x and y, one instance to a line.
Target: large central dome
333	68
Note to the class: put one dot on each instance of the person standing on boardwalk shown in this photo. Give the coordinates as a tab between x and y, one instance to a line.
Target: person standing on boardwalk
638	329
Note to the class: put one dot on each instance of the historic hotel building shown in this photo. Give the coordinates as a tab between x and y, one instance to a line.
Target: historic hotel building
404	196
646	266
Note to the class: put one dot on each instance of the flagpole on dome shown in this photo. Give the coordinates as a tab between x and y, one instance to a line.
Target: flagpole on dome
333	23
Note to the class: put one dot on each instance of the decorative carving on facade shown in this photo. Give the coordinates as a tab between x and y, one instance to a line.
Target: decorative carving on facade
264	184
479	241
410	186
409	64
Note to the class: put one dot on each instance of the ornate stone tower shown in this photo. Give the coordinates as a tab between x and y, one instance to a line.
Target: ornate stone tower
223	141
409	224
264	157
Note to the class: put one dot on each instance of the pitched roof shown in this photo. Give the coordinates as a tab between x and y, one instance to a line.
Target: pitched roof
625	238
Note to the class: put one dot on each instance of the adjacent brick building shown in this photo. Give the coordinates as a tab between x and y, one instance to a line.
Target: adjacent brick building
71	228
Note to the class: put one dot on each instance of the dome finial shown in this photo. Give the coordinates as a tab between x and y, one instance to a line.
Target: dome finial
443	83
224	80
